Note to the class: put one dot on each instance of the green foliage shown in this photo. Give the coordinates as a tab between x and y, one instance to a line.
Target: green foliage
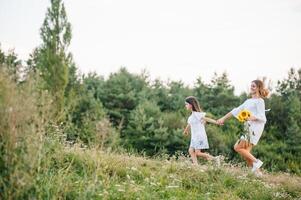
153	116
291	84
177	93
129	110
149	117
145	131
284	125
169	98
76	173
51	59
9	62
211	95
152	132
25	114
120	94
86	117
159	93
41	159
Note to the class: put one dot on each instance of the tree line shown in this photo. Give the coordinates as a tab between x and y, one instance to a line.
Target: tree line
132	112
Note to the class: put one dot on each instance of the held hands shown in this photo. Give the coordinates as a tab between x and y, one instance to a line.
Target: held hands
217	123
220	121
213	121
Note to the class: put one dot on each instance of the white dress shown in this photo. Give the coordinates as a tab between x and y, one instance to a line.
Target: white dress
257	108
198	134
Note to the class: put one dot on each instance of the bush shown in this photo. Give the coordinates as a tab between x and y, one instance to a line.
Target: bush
25	112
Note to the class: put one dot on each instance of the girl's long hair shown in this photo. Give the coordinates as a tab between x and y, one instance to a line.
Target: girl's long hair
194	103
263	92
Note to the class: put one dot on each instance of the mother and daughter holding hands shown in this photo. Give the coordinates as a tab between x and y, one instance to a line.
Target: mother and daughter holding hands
256	122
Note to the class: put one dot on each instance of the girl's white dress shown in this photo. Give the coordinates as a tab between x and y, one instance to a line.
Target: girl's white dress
257	108
198	134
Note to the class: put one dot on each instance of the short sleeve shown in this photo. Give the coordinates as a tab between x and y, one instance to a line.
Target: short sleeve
200	115
260	107
236	110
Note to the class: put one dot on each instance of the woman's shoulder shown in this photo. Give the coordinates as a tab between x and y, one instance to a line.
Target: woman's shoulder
260	100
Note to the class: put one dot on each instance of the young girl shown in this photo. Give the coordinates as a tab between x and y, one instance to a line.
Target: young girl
199	139
257	120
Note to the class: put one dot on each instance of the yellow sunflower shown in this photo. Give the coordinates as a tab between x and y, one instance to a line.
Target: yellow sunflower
240	119
243	115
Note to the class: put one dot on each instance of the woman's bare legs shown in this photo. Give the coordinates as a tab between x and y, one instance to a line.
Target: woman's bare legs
249	149
244	148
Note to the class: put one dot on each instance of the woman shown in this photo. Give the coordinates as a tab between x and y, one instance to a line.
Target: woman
256	122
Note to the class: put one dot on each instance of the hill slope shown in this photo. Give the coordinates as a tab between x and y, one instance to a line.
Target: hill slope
77	173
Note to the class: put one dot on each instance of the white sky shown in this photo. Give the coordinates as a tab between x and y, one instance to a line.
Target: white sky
172	39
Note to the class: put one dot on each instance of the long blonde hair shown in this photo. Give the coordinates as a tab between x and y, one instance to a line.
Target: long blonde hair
263	92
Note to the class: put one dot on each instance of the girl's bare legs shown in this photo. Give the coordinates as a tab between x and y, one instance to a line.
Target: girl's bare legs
244	149
193	156
203	155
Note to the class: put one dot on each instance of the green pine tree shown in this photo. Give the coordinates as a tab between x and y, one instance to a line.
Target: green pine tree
52	59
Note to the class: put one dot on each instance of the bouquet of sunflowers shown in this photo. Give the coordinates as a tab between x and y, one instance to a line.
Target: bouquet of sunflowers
243	116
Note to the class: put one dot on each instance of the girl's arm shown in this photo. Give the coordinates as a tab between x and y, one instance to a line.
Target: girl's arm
213	121
186	130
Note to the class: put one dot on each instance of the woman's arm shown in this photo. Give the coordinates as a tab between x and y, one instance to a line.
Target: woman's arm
233	112
224	118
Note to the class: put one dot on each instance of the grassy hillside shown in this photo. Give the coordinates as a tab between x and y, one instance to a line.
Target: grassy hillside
79	173
35	163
